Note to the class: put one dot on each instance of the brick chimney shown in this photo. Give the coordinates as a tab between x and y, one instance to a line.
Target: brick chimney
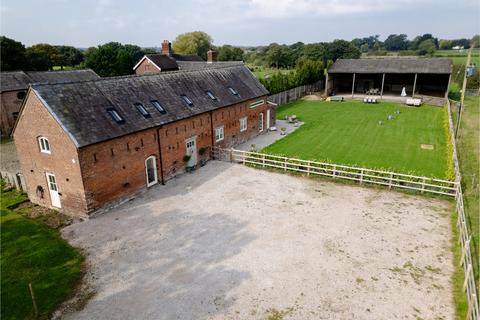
211	56
166	48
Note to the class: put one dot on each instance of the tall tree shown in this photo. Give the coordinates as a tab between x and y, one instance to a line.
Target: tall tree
475	42
230	53
43	57
71	56
419	39
396	42
12	54
426	47
197	42
341	49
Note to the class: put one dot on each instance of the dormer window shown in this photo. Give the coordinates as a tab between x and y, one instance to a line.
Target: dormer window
233	91
44	145
158	106
142	110
187	100
211	96
115	115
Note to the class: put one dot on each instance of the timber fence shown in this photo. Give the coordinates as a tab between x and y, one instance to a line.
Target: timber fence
336	171
295	93
464	237
381	178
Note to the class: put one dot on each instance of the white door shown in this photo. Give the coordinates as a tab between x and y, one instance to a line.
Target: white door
261	123
151	170
268	119
191	151
53	188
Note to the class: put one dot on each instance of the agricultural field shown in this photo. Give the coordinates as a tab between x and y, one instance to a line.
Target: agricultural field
459	57
358	134
33	253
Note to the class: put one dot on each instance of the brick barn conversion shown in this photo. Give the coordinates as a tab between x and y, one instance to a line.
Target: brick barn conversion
388	76
86	145
14	85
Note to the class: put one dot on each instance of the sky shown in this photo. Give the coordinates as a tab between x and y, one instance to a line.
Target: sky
85	23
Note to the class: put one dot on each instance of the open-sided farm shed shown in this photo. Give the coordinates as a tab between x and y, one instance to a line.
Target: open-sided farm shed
388	76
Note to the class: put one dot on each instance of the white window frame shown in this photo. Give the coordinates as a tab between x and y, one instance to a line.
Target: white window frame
149	184
219	134
262	119
243	124
257	103
44	145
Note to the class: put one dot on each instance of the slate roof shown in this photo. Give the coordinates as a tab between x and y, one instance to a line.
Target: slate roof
169	63
187	57
199	65
165	63
80	107
393	65
19	80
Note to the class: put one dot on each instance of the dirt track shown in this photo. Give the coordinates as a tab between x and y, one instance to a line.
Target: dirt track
231	242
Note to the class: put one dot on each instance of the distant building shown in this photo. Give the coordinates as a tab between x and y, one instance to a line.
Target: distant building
14	85
388	76
87	145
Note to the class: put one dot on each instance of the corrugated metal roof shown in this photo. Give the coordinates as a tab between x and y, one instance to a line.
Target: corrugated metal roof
393	65
19	80
80	107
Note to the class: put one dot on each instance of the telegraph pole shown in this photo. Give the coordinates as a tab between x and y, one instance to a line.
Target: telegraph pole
464	88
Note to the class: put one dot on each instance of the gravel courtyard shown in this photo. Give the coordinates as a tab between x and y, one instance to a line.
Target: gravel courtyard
231	242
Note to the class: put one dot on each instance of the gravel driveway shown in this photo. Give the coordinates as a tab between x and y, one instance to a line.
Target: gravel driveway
231	242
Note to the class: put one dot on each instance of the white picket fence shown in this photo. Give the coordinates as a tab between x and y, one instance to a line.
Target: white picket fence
295	93
336	171
464	238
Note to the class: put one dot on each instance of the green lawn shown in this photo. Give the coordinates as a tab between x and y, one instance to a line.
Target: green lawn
469	157
33	252
349	133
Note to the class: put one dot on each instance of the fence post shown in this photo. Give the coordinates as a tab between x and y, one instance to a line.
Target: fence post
33	299
423	184
334	171
245	157
231	154
309	163
361	176
390	181
467	276
465	248
285	164
263	160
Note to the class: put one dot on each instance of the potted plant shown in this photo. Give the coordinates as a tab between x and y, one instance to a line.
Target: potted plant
186	158
283	131
202	151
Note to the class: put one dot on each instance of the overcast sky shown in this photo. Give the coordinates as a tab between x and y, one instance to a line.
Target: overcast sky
85	23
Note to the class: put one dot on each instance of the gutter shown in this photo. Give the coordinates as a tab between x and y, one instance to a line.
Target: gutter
160	155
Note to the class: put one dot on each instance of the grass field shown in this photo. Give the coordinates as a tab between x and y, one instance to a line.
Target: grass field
459	57
469	157
32	252
349	133
261	72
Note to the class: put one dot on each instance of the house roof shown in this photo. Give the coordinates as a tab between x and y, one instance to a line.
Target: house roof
199	65
81	107
393	65
168	63
19	80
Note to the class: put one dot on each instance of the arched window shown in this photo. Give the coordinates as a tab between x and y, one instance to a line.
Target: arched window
44	145
151	170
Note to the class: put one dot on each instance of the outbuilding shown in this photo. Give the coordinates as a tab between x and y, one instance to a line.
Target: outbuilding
388	77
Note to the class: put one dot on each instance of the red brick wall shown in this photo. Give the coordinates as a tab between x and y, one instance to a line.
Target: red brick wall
146	67
9	103
230	119
63	161
115	169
